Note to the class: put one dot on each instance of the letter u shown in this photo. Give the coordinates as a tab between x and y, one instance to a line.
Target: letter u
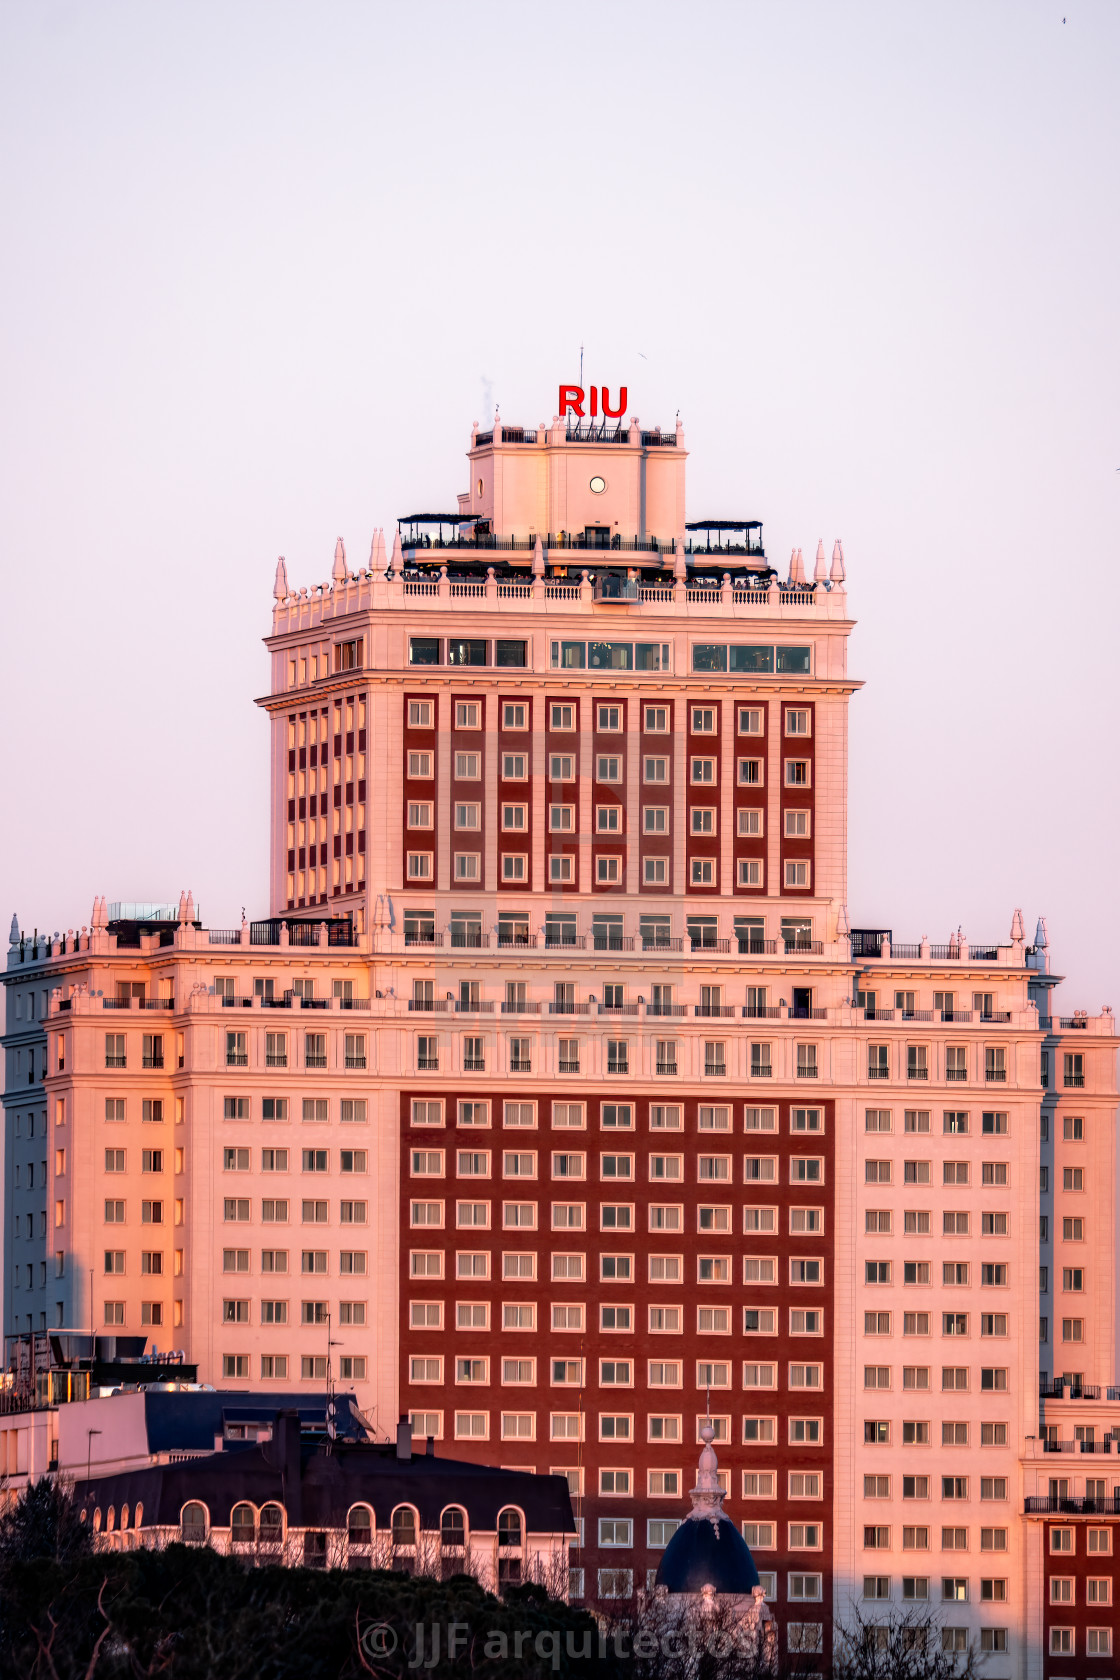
614	413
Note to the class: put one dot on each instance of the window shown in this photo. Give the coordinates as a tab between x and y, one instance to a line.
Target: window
797	872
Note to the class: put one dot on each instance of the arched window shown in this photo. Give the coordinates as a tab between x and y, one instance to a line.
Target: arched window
97	1520
192	1523
272	1525
509	1547
243	1525
453	1529
110	1520
139	1517
359	1526
404	1526
124	1516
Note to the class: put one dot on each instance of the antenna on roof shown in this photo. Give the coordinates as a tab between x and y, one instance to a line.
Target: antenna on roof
581	372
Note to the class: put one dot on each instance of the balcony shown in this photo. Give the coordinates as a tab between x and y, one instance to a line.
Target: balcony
428	1064
752	947
568	1066
520	1006
761	1070
153	1061
651	942
611	942
667	1067
666	1009
616	1066
312	1060
422	936
235	1059
715	945
1071	1081
569	1009
276	1059
761	1012
473	1064
718	1070
355	1062
1044	1505
713	1011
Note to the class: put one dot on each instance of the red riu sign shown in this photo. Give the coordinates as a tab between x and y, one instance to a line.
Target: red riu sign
573	397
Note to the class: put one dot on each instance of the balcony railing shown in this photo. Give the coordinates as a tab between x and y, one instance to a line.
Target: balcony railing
705	944
761	1012
666	1067
956	1073
804	947
1072	1081
474	1064
422	936
429	1005
153	1061
557	941
713	1011
618	1009
569	1009
274	1060
652	942
752	947
611	942
522	1007
761	1070
568	1066
617	1066
353	1062
1071	1505
666	1009
235	1060
478	1007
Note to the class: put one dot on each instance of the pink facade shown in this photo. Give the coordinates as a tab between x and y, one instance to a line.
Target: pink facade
558	1095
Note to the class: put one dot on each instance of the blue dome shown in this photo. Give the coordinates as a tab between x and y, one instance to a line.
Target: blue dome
706	1553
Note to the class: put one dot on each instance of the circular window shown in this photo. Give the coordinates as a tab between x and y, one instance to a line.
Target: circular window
598	485
480	487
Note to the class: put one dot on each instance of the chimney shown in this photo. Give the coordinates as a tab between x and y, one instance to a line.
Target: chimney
286	1458
404	1439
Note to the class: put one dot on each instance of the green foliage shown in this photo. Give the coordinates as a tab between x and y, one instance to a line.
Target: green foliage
67	1613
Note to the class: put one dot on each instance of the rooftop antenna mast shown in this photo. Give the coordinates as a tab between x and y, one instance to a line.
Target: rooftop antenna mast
581	367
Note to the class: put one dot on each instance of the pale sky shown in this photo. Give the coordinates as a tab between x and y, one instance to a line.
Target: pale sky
263	264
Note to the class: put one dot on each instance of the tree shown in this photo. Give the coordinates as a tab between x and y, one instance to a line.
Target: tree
43	1523
904	1645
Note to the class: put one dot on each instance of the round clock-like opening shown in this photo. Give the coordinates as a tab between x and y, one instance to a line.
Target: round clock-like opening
598	485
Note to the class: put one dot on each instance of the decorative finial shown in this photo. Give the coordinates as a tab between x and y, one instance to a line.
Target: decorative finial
338	570
843	926
13	937
398	552
1017	928
837	572
820	570
280	587
707	1496
538	558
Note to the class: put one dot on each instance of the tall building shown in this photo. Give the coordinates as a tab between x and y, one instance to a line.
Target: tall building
557	1104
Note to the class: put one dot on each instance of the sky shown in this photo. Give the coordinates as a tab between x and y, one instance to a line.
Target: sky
264	264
